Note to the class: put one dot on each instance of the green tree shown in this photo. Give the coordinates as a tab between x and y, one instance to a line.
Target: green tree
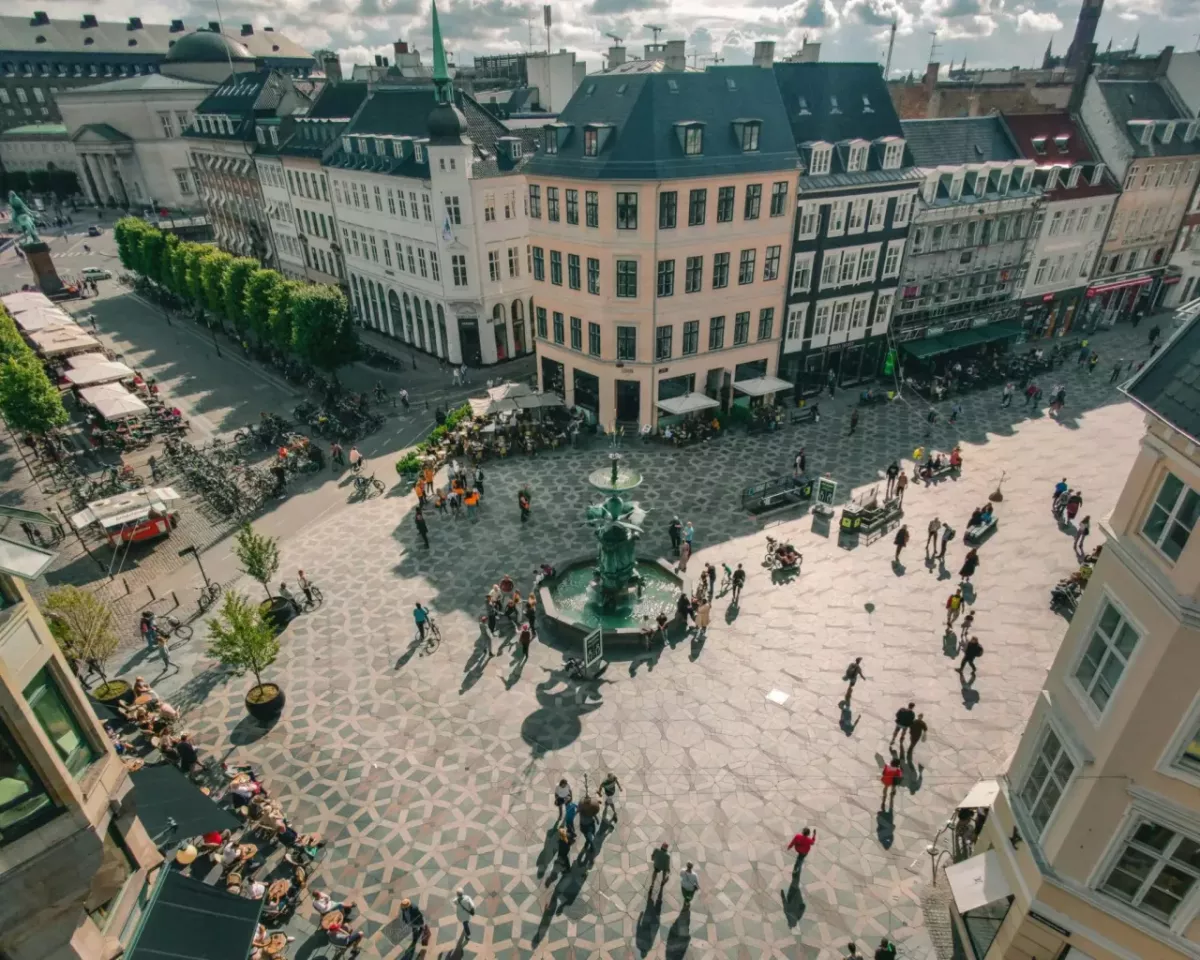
11	343
259	556
279	317
178	281
83	625
322	330
240	638
236	278
153	242
212	276
164	259
127	246
256	302
195	256
28	400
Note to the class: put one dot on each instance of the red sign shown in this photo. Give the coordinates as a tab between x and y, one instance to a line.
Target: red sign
1174	278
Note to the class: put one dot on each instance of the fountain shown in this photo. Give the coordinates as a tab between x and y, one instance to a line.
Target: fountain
618	589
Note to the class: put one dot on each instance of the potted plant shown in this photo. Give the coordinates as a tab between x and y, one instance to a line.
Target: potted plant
242	639
259	557
83	627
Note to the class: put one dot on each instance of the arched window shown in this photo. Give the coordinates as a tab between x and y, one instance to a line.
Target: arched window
408	319
498	313
394	306
358	305
442	330
520	344
374	305
383	308
421	325
432	334
518	311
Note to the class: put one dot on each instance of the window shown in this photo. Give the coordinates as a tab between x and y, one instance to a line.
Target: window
720	270
535	201
837	219
493	265
802	272
694	278
168	128
184	180
746	266
857	159
626	341
399	197
771	264
541	323
753	203
891	263
779	193
375	250
627	211
592	211
573	271
593	275
892	153
593	339
1047	780
514	261
821	319
379	202
573	207
550	141
25	804
750	137
741	328
820	161
1108	651
433	264
866	266
766	322
858	312
558	327
458	265
858	215
428	210
387	253
849	267
489	206
556	268
576	333
539	264
716	333
693	141
662	342
724	204
807	220
903	208
666	209
697	205
691	337
54	715
883	309
626	278
841	311
666	278
552	204
829	268
1156	870
1172	517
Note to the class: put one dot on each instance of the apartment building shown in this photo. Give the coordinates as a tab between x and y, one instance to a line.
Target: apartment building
661	208
1092	847
1183	275
854	204
427	193
967	252
74	858
1068	231
1148	139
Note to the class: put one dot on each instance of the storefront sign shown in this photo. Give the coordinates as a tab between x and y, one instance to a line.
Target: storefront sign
1173	278
1120	285
1049	923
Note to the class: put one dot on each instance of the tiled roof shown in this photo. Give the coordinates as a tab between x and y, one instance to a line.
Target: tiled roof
150	82
1146	100
323	123
834	102
958	140
641	113
1052	139
1169	386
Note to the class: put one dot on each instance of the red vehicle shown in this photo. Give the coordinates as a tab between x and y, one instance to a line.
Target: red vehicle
133	516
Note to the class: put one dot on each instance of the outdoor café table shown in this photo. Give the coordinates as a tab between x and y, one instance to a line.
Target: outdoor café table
144	699
279	889
331	919
246	851
276	944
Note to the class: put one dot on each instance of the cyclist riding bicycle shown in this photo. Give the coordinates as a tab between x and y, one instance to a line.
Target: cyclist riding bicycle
421	616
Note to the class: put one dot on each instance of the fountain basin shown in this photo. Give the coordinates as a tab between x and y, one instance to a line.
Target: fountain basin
571	602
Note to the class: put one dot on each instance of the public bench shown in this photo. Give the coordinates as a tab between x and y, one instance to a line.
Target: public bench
807	414
977	533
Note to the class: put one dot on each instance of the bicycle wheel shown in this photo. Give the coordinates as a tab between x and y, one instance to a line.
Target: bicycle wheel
377	484
183	632
316	592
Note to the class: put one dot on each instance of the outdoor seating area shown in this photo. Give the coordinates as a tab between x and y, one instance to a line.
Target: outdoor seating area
512	419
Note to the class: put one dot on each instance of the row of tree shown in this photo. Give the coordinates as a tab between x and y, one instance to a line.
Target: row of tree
64	184
29	400
311	321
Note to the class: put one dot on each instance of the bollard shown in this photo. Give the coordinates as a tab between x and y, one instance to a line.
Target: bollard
150	590
126	582
174	599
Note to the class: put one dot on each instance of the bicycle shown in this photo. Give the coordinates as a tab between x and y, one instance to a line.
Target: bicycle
317	597
208	595
433	636
175	628
367	486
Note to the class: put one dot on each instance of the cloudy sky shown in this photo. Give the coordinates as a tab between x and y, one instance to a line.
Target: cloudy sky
985	32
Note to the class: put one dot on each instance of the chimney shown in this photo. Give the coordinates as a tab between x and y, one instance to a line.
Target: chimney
931	74
214	26
764	53
1164	61
177	26
135	23
333	68
40	18
385	61
809	52
675	58
1079	86
616	56
399	47
247	29
89	20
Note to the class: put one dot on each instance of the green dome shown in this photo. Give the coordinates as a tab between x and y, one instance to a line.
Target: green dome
204	46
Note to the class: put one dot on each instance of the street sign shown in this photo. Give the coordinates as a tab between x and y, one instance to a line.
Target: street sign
826	489
593	648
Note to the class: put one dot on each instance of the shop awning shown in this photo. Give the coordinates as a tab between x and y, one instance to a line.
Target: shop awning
81	360
958	339
761	386
190	920
23	560
537	400
978	881
43	317
688	403
107	371
133	506
510	391
172	808
24	300
56	341
112	401
1118	285
489	407
983	794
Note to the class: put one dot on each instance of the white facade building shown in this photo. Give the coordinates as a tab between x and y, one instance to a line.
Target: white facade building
277	203
38	146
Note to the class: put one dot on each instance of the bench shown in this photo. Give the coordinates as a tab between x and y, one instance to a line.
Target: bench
945	470
806	414
977	533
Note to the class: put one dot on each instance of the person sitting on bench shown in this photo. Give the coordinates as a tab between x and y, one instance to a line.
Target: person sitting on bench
786	554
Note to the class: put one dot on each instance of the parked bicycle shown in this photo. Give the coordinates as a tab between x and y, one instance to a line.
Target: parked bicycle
366	487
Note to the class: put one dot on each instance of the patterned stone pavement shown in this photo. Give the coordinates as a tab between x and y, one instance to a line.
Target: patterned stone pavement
429	772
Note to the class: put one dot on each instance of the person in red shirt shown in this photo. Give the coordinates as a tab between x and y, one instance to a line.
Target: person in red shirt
802	843
891	778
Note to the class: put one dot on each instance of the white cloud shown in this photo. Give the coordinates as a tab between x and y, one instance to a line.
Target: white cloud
1030	21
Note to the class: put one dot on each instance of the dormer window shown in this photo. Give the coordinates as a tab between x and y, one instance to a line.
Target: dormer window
1026	179
1073	176
274	137
261	135
1061	142
516	150
1168	131
820	160
1189	132
1052	178
691	137
591	141
550	141
419	152
1097	175
672	86
1148	134
362	144
346	145
893	154
857	158
1005	179
802	103
747	132
867	108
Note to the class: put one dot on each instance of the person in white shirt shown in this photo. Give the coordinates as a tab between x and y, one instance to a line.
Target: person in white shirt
464	909
323	903
689	883
231	853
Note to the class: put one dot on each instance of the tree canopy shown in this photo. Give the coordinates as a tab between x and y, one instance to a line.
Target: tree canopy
240	638
322	331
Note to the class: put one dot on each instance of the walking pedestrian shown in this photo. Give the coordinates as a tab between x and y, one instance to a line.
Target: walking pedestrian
523	505
931	540
563	855
891	778
712	579
916	731
479	480
336	456
955	411
947	536
886	950
660	860
464	909
1007	394
969	565
893	471
587	826
830	378
853	674
675	532
562	796
160	647
608	788
739	581
454	377
1092	361
901	486
972	651
703	616
1116	370
685	552
901	541
1084	352
967	624
802	843
421	618
904	718
853	422
801	463
953	607
524	638
422	526
852	952
411	914
689	883
1154	332
1081	532
149	628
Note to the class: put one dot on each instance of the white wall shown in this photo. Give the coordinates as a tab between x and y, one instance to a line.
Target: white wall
1078	248
1184	74
556	77
31	154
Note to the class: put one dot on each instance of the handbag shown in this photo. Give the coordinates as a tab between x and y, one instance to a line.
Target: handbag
425	935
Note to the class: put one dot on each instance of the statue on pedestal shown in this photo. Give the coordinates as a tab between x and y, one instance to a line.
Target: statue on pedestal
36	250
23	219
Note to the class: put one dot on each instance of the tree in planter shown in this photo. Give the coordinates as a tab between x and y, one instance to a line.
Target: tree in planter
256	302
177	278
258	555
164	257
84	627
241	639
28	400
153	242
322	330
234	290
212	279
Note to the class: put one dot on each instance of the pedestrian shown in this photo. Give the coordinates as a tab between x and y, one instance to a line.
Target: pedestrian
955	411
336	455
953	607
852	951
524	638
411	914
916	731
802	843
562	796
712	579
463	370
969	565
1092	361
801	463
464	909
569	811
901	486
739	581
689	883
891	778
853	674
904	718
1116	370
307	588
703	616
1081	532
660	860
1007	394
608	788
829	380
422	526
901	541
967	624
493	614
893	471
149	628
587	826
1084	352
355	458
454	377
853	422
685	552
685	609
523	504
972	651
675	532
931	540
479	480
1154	332
421	618
886	950
947	536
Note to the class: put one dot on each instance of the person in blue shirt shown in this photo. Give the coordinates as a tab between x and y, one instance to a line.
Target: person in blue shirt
1059	489
421	616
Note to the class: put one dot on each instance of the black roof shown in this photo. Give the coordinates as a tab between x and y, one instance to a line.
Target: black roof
1147	100
959	140
244	96
313	132
642	111
284	126
836	101
1169	385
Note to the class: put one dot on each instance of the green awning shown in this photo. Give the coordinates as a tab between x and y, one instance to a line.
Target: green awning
172	808
957	339
190	920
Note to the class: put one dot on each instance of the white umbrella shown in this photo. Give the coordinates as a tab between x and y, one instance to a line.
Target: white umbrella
510	391
688	403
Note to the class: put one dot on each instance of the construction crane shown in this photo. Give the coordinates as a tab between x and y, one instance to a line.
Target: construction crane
615	39
656	29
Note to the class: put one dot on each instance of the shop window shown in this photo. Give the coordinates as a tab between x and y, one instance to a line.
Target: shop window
24	802
54	714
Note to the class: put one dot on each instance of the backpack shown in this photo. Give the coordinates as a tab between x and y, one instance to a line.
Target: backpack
979	650
947	533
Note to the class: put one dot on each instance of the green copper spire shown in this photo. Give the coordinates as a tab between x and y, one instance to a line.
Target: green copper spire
441	78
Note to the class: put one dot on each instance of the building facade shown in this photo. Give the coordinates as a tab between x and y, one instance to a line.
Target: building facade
1069	229
974	219
1183	276
37	146
1148	140
660	213
271	133
75	862
854	205
1090	851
